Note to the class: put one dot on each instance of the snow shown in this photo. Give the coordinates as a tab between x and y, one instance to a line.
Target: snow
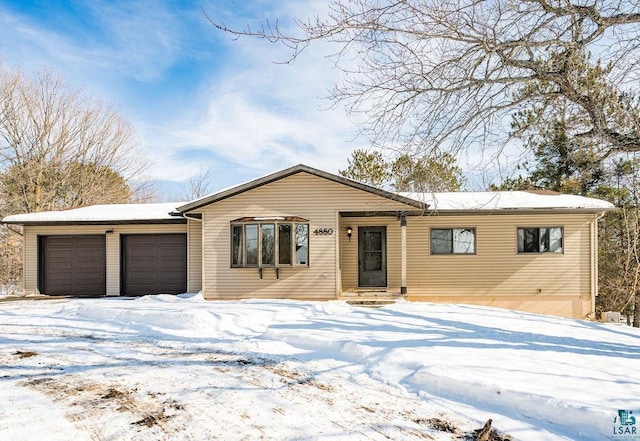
506	200
456	201
102	213
449	201
179	367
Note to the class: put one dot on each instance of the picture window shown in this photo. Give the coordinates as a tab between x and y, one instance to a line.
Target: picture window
540	240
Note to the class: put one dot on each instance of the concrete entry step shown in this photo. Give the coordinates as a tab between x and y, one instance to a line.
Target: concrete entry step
370	303
370	299
369	294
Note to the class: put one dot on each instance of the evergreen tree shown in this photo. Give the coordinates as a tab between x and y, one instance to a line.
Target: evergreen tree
405	173
368	167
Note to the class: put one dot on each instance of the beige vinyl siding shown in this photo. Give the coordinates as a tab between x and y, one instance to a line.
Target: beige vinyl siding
113	264
496	275
31	233
194	264
304	195
30	262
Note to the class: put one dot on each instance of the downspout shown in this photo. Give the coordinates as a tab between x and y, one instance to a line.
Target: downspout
403	238
594	262
338	266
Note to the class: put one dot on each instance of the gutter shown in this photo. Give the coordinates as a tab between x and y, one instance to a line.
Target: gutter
195	217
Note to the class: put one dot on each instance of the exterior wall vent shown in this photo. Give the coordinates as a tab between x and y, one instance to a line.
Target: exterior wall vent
610	317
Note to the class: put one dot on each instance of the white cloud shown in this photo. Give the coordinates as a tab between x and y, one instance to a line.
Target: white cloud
250	114
265	116
140	39
133	40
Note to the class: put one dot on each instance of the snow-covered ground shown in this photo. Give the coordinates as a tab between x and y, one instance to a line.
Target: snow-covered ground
180	368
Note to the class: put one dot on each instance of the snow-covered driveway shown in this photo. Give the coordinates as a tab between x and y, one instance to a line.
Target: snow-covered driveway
164	367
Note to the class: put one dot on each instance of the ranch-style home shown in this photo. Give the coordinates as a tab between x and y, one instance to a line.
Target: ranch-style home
302	233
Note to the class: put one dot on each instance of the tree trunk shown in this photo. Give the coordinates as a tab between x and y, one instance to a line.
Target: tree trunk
37	198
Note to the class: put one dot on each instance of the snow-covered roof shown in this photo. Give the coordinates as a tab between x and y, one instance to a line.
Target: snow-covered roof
437	202
507	200
451	201
102	213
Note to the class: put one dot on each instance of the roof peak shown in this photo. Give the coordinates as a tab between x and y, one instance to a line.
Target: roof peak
272	177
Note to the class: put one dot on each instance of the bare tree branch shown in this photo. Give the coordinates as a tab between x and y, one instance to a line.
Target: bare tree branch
441	74
58	150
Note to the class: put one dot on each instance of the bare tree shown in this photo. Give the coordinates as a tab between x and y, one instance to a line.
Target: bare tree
619	250
197	185
58	150
448	74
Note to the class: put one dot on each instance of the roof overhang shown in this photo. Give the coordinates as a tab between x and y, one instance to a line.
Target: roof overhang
386	213
270	219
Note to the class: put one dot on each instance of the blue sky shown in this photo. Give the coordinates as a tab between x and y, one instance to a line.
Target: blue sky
196	96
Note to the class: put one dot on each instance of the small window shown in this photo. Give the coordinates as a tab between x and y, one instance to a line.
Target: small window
237	245
251	243
453	241
302	244
268	244
540	240
284	244
281	242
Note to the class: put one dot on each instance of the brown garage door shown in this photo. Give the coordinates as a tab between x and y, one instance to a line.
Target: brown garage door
73	265
154	264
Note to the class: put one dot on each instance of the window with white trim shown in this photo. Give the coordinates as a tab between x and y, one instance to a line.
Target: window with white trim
540	240
453	240
269	242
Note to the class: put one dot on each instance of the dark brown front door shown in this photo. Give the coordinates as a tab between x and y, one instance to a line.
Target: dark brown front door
73	265
372	257
154	264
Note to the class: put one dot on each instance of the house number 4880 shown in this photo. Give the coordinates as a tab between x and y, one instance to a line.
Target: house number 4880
323	231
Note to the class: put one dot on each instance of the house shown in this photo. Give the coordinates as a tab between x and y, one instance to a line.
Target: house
302	233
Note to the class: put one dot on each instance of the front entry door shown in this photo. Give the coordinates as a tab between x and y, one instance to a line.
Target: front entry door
372	257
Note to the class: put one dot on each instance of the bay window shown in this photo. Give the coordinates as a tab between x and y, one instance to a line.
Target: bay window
265	242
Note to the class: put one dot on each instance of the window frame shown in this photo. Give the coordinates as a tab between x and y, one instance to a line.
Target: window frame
294	237
259	224
453	253
245	254
539	228
242	245
280	243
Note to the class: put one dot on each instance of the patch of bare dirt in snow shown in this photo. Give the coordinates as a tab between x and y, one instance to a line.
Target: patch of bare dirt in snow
234	396
90	402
